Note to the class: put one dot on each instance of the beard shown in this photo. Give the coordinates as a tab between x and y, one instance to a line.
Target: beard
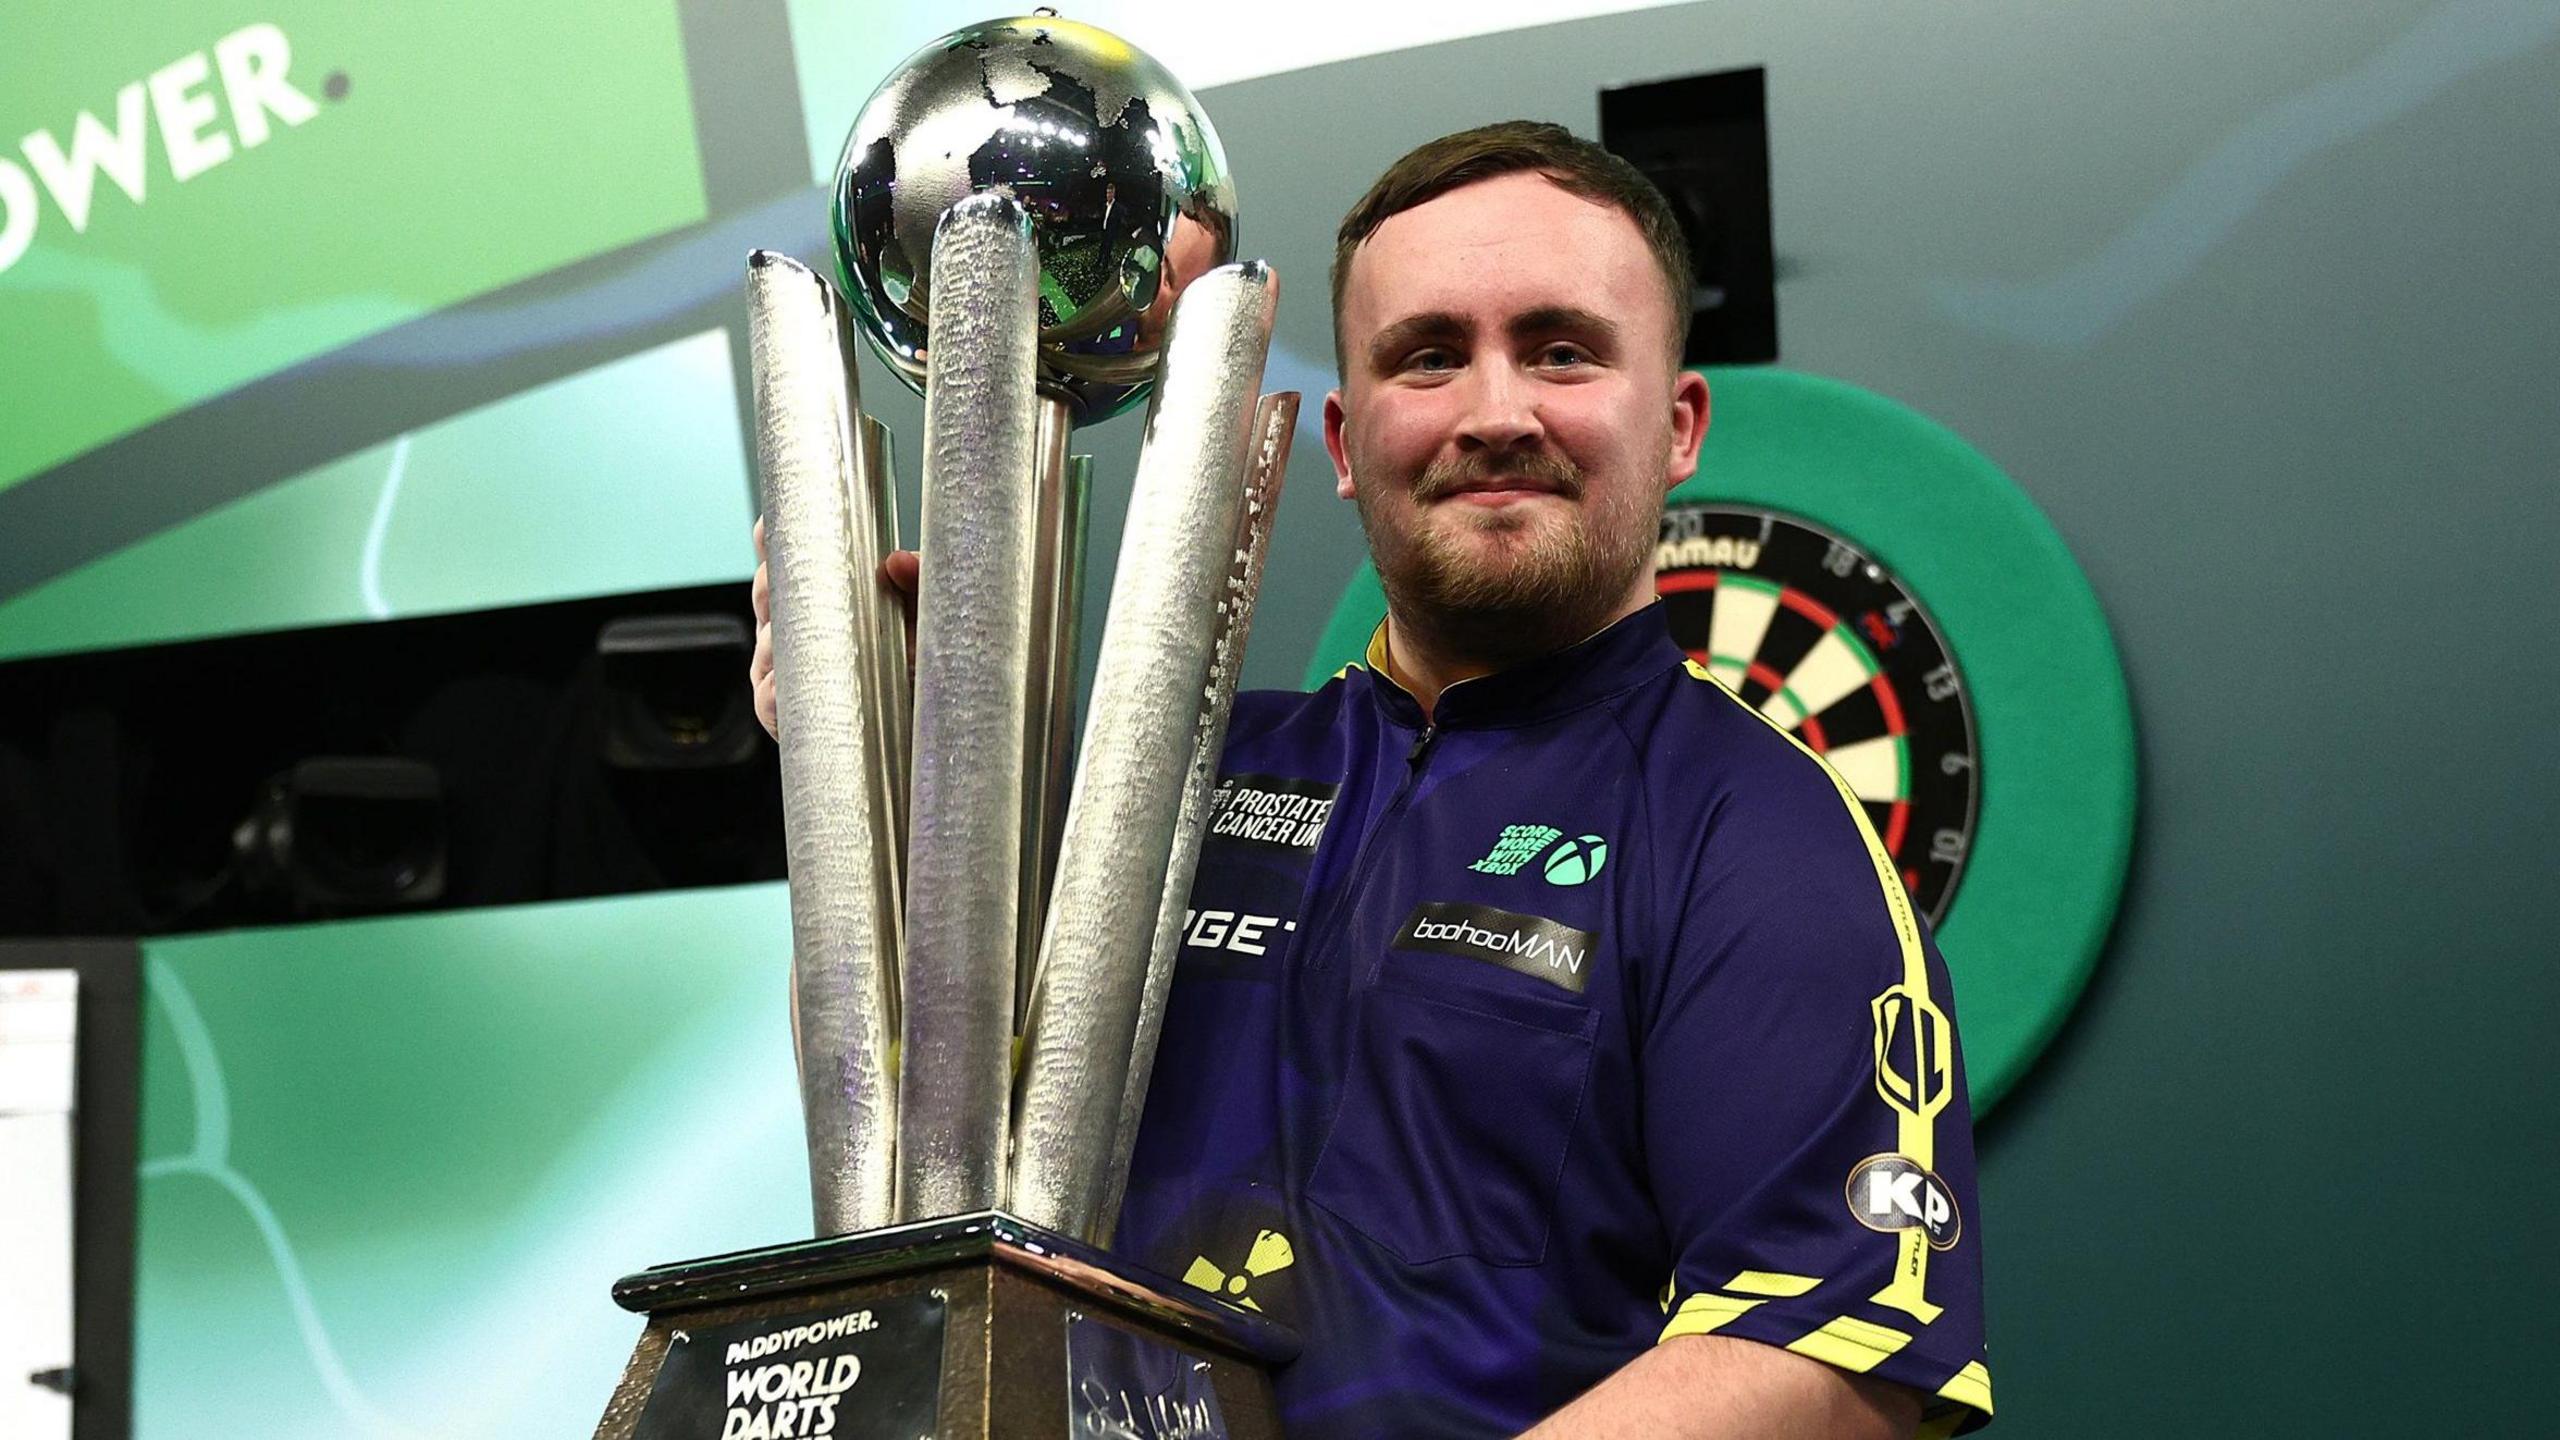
1497	585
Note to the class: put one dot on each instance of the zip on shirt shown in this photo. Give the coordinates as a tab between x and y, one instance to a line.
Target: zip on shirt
1347	902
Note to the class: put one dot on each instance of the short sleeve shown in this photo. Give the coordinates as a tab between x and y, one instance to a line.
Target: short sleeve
1806	1131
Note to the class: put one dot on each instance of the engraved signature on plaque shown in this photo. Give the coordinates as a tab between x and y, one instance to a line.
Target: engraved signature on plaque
1122	1385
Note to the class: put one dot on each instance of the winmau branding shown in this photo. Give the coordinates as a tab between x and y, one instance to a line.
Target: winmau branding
1531	944
178	101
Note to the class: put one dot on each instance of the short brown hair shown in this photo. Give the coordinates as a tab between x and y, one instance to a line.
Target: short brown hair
1509	147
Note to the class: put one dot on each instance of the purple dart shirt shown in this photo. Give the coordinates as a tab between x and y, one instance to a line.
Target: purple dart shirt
1587	1015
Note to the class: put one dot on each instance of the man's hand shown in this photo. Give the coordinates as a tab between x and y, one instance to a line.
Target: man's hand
898	572
1709	1387
760	669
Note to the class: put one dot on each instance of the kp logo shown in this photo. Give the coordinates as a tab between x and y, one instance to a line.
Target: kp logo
1892	1193
1915	1060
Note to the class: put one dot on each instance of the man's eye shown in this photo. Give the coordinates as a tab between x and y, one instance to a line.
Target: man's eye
1562	355
1432	361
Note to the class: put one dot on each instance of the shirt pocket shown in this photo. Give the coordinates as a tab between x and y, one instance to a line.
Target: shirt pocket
1455	1122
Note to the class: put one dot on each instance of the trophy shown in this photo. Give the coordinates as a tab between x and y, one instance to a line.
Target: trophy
1034	226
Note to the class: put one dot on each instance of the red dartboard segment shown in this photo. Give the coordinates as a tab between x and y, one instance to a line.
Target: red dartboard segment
1892	821
1891	706
1808	607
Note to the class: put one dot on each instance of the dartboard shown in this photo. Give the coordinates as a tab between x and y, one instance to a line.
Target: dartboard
1827	643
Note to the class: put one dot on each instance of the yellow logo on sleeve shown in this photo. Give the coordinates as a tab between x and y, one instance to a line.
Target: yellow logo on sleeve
1915	1067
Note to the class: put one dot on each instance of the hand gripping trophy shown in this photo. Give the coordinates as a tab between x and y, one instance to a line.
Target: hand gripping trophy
1035	227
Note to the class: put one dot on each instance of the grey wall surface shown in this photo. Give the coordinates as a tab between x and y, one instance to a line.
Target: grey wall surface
2254	300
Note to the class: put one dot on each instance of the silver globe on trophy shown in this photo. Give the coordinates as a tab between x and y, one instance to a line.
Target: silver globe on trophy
1035	227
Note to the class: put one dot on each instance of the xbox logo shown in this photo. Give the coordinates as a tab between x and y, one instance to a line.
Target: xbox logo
1576	860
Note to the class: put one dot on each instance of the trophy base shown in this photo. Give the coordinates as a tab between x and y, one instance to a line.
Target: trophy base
977	1325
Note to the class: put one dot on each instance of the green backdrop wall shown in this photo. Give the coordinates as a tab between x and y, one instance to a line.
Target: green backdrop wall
2250	298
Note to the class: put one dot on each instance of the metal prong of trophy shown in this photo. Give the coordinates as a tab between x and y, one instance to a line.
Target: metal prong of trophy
822	472
1034	227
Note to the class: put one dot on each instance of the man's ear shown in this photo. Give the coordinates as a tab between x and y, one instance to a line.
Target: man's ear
1691	408
1333	418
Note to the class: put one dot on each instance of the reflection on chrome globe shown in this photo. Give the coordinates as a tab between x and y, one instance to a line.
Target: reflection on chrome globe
1123	179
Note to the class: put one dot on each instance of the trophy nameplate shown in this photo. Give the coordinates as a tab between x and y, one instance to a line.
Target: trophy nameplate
976	1326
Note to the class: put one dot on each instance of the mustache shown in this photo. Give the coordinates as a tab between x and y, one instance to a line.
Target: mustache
1447	477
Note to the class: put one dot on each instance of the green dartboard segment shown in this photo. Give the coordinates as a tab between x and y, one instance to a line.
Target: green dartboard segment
2054	829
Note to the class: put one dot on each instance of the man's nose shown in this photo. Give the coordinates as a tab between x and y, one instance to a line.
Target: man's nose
1501	411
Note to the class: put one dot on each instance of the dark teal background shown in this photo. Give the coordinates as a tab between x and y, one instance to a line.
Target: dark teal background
2253	299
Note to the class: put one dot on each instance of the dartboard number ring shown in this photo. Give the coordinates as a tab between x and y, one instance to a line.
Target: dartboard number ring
1804	625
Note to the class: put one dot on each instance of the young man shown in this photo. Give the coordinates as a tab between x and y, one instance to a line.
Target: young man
1553	1044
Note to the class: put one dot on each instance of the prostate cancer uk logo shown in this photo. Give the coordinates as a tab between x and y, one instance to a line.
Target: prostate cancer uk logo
1272	812
175	101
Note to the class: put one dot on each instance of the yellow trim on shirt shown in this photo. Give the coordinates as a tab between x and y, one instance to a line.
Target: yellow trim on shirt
1771	1282
1971	1386
1851	1344
1915	1131
1705	1313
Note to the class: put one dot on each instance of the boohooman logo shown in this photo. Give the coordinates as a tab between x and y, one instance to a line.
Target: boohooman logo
177	102
1529	944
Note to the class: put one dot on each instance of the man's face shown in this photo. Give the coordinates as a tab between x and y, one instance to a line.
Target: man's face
1510	415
